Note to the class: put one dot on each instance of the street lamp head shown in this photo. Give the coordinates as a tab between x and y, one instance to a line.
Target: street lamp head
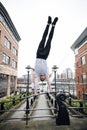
54	68
28	68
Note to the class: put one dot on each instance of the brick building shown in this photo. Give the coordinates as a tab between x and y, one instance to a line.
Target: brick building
80	49
9	39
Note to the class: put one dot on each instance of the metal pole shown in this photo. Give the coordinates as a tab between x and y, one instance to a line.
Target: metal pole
55	93
28	84
27	101
55	83
55	69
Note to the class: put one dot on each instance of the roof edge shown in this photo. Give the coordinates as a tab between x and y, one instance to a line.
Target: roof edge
79	39
9	22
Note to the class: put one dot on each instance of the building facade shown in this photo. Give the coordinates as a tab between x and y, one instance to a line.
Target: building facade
9	39
80	49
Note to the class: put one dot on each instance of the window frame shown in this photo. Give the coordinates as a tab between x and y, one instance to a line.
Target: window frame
84	78
6	58
7	43
83	60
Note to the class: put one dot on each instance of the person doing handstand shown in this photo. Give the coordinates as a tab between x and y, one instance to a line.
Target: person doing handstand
41	69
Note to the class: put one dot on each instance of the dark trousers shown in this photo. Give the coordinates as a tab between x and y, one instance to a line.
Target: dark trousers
43	50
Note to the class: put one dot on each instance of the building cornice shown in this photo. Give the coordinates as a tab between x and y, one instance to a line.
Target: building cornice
80	40
4	69
9	22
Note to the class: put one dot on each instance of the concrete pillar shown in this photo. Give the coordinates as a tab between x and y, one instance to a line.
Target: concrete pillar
8	85
15	84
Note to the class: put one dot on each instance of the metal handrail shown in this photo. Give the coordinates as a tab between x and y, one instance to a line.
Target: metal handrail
27	109
31	117
33	109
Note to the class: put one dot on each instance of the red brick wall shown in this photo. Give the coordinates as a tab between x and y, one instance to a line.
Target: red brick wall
3	48
80	69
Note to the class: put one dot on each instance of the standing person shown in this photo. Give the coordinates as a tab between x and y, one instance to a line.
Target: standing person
41	69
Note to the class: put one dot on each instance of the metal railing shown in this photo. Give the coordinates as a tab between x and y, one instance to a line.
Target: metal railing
61	107
27	110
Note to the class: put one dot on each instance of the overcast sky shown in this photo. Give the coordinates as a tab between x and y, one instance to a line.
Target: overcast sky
30	18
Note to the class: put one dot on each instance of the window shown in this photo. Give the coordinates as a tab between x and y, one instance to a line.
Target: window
83	60
83	78
5	58
3	77
14	51
14	64
7	43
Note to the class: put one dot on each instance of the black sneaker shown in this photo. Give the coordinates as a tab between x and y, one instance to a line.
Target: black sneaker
55	20
49	20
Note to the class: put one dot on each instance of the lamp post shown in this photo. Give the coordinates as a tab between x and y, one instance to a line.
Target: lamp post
27	92
54	68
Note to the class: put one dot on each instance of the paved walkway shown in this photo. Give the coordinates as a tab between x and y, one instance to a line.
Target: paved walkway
41	104
44	124
76	124
18	114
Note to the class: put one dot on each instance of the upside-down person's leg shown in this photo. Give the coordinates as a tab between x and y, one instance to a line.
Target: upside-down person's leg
48	44
42	42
